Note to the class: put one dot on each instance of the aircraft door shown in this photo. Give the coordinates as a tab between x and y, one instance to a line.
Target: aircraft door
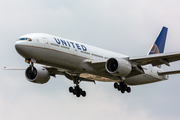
45	42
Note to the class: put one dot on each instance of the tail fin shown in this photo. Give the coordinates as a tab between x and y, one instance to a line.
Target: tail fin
158	46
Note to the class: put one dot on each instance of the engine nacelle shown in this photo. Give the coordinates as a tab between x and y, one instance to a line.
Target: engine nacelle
37	75
118	66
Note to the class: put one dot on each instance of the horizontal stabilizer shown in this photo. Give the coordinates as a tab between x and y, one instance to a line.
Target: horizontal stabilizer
169	72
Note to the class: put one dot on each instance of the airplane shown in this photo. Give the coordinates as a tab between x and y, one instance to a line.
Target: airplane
81	62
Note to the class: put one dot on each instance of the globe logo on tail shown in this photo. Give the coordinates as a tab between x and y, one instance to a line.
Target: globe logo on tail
154	50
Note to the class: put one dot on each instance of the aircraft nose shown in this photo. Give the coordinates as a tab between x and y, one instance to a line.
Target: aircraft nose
18	47
23	49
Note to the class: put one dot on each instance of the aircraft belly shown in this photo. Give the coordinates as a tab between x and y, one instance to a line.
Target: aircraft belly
98	78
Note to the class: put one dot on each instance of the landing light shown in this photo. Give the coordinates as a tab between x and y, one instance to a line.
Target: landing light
27	60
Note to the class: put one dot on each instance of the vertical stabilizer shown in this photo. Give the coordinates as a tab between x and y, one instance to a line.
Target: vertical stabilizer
158	46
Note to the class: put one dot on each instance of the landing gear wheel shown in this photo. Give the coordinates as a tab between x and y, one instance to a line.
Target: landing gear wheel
77	94
74	92
83	93
115	85
119	88
122	91
128	89
71	89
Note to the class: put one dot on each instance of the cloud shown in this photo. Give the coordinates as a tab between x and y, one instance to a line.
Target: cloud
62	105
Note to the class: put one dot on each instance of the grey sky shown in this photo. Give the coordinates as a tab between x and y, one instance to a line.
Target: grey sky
125	26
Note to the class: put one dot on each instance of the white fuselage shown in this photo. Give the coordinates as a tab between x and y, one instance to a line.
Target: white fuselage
74	56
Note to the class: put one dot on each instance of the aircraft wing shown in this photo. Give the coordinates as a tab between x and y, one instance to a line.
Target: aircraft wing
51	70
14	68
156	59
54	71
98	64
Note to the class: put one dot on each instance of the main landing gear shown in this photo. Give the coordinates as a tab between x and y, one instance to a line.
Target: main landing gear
77	90
122	87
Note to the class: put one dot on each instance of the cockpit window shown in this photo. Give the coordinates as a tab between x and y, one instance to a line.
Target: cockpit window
28	39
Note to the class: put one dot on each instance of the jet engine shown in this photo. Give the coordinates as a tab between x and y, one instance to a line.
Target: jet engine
118	66
37	75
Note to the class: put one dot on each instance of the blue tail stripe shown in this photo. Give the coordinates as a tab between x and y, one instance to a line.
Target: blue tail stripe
160	41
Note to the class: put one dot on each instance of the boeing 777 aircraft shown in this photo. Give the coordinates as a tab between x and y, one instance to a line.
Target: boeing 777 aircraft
81	62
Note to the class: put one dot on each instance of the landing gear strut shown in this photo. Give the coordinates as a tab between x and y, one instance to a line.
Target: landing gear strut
122	87
77	90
